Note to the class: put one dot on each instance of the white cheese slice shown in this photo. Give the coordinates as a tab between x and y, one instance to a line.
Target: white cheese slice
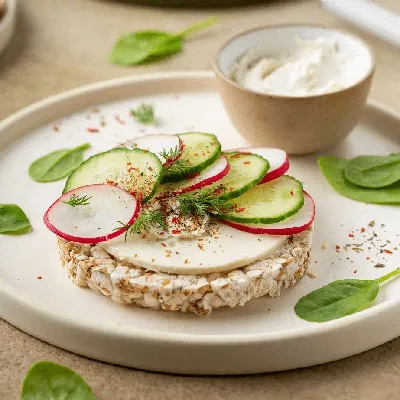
226	250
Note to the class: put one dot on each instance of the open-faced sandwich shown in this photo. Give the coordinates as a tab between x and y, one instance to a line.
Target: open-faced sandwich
170	222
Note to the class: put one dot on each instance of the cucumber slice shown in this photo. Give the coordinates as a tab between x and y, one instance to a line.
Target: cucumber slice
269	202
137	171
246	171
200	151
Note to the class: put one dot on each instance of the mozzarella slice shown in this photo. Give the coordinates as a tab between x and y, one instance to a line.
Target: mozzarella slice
225	250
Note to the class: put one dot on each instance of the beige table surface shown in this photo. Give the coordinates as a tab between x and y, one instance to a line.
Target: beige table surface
61	44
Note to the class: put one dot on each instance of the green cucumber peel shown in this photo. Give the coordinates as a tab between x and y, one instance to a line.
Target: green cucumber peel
333	168
192	160
236	183
142	185
57	164
340	298
268	203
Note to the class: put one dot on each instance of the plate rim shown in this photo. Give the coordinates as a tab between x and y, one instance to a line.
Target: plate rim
33	307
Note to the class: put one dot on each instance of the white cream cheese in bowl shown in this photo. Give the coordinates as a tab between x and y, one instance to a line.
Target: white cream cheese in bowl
295	87
314	67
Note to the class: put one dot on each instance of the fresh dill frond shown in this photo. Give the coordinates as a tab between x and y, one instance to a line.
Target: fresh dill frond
76	200
202	203
171	155
129	144
144	114
144	223
174	165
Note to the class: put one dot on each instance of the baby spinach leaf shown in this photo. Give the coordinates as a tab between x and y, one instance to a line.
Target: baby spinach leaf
333	169
340	298
50	381
57	165
373	171
137	48
13	220
152	45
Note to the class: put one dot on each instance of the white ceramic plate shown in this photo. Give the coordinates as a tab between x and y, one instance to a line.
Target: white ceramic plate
265	334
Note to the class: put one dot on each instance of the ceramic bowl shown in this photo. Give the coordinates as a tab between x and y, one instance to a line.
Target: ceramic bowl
299	125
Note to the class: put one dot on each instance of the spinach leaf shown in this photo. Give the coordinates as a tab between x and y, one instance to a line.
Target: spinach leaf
333	169
50	381
57	165
13	220
340	298
373	171
152	45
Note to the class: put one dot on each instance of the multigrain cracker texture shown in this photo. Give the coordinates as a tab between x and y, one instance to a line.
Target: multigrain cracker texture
90	265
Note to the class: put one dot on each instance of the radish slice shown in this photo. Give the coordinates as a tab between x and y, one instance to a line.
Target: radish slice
210	175
277	158
98	219
290	226
158	143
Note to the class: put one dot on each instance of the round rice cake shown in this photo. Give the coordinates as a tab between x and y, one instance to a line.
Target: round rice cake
92	266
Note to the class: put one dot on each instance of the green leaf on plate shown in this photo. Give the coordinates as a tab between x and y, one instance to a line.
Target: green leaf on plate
13	220
57	165
333	168
340	298
50	381
373	171
152	45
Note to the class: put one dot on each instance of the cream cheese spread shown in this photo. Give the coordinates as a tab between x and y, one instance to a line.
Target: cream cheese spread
315	67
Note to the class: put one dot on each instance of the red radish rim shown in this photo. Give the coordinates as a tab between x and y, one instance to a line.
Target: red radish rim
274	231
98	239
204	183
269	176
276	173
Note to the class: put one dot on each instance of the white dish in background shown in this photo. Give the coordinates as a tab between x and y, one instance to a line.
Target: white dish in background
7	24
264	335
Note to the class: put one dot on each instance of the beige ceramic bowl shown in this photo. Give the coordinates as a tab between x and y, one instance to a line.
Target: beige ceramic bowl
299	125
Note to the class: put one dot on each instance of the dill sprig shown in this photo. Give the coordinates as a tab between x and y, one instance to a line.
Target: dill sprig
144	114
174	165
76	200
144	223
171	155
203	202
129	144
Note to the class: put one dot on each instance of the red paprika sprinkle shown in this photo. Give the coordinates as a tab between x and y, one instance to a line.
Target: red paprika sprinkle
176	231
247	162
186	261
163	244
388	251
362	230
200	246
56	128
291	192
39	277
92	130
239	210
351	235
118	119
175	220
